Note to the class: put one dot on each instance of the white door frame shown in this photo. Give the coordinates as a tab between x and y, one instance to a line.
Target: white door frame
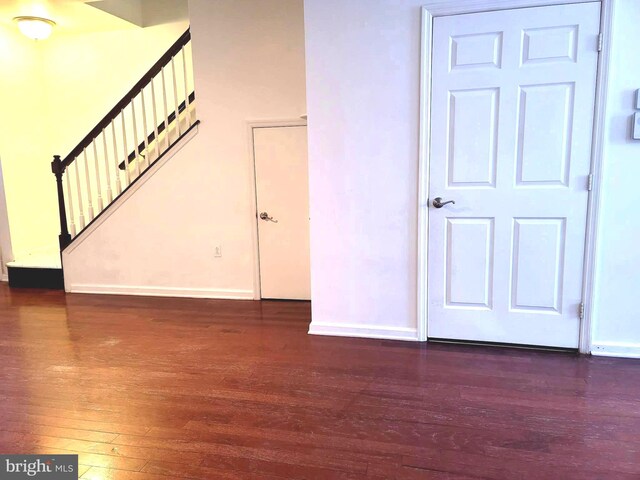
439	8
251	125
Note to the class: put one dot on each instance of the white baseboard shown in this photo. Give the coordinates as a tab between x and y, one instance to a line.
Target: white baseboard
229	294
363	331
4	278
616	349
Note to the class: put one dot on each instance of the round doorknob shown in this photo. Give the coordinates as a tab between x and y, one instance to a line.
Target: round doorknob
438	203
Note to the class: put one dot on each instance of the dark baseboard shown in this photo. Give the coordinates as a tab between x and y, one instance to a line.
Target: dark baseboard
24	277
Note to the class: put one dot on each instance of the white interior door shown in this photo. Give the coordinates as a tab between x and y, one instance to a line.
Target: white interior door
282	191
511	113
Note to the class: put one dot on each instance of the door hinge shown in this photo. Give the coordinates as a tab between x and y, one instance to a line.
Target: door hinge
581	311
600	41
590	182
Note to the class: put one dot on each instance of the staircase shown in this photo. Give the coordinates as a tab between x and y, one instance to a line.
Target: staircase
144	126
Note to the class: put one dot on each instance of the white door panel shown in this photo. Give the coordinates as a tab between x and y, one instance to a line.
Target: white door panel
282	193
511	113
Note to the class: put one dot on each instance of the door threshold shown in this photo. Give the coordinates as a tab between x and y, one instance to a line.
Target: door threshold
519	346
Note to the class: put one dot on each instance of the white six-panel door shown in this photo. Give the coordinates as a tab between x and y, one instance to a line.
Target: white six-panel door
511	128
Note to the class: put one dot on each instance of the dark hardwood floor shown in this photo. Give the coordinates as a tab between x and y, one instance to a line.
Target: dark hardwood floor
161	389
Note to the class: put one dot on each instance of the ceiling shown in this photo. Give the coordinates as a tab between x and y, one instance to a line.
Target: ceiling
78	16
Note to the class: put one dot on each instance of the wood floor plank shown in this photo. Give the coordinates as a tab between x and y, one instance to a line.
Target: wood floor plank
82	469
100	473
222	467
79	424
161	389
61	432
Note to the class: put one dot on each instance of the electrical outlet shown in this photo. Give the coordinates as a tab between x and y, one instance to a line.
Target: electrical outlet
217	251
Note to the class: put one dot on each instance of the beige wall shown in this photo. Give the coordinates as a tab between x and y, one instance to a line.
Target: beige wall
24	140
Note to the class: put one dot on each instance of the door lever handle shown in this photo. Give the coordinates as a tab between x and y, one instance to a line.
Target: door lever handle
438	203
265	216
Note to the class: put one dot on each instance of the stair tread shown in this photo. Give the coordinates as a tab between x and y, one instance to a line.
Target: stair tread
39	260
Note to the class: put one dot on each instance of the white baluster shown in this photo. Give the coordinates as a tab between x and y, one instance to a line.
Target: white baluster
98	186
72	219
175	95
115	158
186	87
155	119
136	157
89	199
126	150
106	165
81	223
145	130
166	111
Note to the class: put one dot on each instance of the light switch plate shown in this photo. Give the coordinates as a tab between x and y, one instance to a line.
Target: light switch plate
638	99
636	126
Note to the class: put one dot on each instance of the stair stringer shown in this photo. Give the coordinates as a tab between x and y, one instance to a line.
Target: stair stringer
146	242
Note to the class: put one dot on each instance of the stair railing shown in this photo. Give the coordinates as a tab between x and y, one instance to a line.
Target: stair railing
159	107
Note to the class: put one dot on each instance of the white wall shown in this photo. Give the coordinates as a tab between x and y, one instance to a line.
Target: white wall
617	327
363	62
363	98
249	65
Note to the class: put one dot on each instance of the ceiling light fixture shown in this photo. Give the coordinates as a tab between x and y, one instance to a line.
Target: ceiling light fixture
37	28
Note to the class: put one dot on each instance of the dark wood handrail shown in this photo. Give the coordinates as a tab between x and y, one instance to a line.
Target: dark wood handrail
115	111
161	128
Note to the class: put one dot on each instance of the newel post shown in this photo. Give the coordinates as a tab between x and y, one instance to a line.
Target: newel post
57	167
